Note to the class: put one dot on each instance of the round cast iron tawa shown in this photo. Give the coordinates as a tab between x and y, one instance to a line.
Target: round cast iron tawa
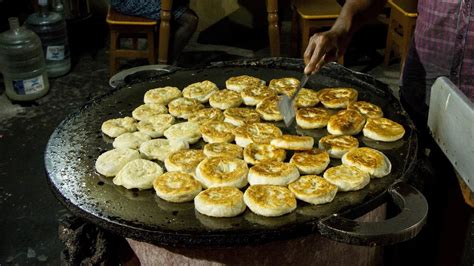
77	142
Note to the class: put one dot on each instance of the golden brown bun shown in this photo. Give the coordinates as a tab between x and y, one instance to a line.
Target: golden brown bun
337	146
337	97
159	149
162	95
368	160
293	142
200	91
269	200
206	114
314	161
116	127
130	140
223	149
255	153
369	110
155	126
241	116
346	122
110	162
222	171
272	173
254	95
185	161
307	98
383	129
220	202
239	83
145	111
216	131
261	133
268	109
286	85
312	117
186	131
313	189
225	99
347	178
184	107
176	187
138	173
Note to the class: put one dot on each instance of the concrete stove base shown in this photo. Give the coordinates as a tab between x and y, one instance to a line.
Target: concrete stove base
310	250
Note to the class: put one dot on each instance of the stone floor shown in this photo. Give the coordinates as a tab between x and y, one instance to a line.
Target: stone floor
29	211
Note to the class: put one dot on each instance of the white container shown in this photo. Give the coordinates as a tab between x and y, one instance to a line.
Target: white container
22	63
52	31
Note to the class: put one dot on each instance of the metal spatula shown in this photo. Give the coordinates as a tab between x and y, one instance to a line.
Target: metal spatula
286	105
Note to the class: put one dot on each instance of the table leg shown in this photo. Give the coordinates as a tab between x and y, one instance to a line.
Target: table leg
273	28
164	31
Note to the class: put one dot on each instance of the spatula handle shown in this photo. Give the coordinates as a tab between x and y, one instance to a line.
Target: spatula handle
302	84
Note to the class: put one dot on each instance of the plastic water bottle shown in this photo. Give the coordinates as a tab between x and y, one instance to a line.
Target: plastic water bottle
51	28
58	7
22	63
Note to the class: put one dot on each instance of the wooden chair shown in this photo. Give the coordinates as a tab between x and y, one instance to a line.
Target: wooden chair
401	26
123	26
308	17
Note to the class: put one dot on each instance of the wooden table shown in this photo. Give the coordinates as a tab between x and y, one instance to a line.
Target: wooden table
273	29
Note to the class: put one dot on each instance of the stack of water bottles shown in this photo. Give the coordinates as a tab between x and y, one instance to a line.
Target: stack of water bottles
28	56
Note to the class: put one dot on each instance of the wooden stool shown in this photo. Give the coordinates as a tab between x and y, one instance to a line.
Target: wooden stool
401	27
123	26
309	15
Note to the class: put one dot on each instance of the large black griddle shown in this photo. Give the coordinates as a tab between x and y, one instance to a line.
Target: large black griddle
77	142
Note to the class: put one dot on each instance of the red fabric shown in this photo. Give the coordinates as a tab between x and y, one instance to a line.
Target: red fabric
444	41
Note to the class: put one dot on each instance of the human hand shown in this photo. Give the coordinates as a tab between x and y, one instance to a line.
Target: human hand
322	48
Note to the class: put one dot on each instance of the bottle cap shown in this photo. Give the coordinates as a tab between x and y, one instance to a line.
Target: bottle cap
14	23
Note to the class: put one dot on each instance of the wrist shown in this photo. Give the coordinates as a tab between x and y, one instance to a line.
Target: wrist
343	24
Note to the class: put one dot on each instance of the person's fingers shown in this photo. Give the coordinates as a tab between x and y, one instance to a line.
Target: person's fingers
309	49
320	64
311	66
317	55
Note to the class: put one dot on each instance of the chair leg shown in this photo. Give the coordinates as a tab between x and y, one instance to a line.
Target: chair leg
304	36
340	60
273	27
389	44
164	33
294	33
151	47
407	35
113	61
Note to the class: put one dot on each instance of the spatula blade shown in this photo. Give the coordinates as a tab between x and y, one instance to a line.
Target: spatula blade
287	110
286	105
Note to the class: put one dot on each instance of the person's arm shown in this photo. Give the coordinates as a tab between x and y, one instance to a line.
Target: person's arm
330	45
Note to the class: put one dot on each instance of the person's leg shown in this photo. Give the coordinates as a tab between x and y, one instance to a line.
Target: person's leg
183	29
433	174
